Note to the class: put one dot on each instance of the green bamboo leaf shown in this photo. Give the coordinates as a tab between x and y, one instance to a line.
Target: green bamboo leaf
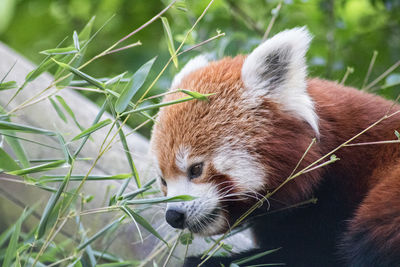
12	140
170	40
7	233
115	79
161	199
96	120
7	163
164	104
76	41
69	111
82	75
60	113
48	210
142	221
12	246
39	168
120	264
196	95
8	85
92	129
59	51
46	64
135	193
100	233
67	154
130	162
138	80
84	35
60	178
5	125
256	256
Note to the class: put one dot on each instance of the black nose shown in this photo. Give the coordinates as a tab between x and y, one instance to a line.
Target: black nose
175	218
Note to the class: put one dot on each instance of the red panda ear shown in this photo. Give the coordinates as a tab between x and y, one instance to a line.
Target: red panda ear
193	64
277	69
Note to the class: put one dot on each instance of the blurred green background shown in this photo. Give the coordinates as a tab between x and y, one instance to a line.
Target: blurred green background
346	33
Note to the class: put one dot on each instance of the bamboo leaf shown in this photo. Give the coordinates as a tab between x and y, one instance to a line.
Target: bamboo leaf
39	168
12	246
159	105
5	125
142	221
41	229
196	95
256	256
99	233
161	199
46	64
84	35
59	51
170	40
7	163
69	111
115	79
60	113
92	129
59	178
138	80
82	75
8	85
119	264
76	41
130	162
12	140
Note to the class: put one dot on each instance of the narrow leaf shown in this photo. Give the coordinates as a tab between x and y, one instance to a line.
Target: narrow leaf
138	80
92	129
41	229
142	221
69	111
120	264
59	51
12	140
39	168
46	64
60	113
5	125
159	105
82	75
76	41
99	233
195	94
256	256
8	85
59	178
12	246
161	199
170	40
7	163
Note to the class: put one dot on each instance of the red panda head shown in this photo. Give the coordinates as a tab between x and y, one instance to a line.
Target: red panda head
245	140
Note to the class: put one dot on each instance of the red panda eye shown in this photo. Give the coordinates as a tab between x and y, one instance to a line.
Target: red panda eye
163	182
195	170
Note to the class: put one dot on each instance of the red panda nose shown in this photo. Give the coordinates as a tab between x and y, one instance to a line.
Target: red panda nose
175	218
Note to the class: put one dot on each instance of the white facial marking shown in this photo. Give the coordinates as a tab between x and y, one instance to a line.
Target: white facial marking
198	210
248	174
181	158
193	64
277	69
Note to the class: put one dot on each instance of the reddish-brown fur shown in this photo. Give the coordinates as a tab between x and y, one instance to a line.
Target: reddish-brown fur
366	178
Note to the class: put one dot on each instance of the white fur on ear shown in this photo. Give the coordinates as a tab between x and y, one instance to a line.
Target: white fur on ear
192	65
277	69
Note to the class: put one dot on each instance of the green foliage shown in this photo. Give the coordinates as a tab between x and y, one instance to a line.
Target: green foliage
347	33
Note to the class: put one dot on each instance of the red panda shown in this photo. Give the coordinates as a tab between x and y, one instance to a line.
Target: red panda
249	137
